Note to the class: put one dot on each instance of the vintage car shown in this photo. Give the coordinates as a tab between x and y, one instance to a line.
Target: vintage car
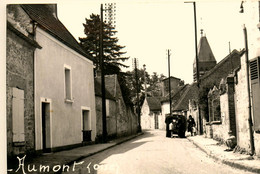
175	124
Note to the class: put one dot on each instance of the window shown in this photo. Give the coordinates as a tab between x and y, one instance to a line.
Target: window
216	110
214	105
68	87
18	115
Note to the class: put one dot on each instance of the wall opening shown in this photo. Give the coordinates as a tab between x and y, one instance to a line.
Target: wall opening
46	132
68	84
86	126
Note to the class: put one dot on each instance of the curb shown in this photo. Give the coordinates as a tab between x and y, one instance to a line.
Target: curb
101	150
227	162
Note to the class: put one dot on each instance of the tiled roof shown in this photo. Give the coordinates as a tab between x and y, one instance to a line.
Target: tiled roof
191	92
154	103
233	53
174	95
43	15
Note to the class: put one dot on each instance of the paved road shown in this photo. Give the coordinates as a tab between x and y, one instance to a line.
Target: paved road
152	153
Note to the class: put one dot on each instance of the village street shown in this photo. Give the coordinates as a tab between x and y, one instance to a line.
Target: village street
153	153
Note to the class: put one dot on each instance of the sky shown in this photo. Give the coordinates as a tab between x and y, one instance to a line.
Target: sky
147	28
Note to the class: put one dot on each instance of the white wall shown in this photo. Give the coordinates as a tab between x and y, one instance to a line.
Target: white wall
145	117
66	118
165	110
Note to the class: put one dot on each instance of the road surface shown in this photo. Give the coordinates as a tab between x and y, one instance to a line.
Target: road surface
153	153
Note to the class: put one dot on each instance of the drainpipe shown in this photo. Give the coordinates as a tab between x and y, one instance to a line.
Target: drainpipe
250	122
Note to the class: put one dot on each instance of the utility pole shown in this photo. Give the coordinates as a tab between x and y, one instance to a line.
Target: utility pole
145	90
103	90
197	63
169	74
137	96
109	9
250	121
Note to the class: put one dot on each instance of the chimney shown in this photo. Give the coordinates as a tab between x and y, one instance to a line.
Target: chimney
53	9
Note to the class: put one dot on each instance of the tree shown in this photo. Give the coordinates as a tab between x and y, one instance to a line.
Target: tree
113	56
152	82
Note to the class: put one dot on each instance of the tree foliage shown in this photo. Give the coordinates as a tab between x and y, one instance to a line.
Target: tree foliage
113	54
153	87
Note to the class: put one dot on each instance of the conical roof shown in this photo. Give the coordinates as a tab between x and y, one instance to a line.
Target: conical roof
205	53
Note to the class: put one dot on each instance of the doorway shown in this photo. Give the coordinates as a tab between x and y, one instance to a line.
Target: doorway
156	121
46	133
86	128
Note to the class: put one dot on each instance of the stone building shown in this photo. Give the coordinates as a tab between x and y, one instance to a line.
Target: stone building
58	81
249	133
233	89
213	78
20	49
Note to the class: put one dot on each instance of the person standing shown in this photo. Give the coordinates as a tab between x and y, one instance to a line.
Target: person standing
191	124
181	126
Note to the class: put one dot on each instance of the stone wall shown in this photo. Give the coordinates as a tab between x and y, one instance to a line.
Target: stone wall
111	119
220	130
122	121
241	100
214	76
20	74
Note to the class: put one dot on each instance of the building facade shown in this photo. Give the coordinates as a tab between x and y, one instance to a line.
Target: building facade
52	77
20	49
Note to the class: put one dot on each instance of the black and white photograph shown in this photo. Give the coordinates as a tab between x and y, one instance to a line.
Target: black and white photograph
130	87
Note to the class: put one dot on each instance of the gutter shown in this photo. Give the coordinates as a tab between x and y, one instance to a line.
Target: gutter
250	123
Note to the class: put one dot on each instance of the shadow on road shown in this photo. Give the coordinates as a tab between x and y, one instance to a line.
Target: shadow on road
94	164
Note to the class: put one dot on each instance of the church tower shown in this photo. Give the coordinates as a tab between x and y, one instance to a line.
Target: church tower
205	56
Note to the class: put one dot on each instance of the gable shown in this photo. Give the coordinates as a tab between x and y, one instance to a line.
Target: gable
154	103
191	92
45	19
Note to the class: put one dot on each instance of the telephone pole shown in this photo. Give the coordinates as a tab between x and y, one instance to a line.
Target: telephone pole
197	63
169	74
137	96
145	89
103	89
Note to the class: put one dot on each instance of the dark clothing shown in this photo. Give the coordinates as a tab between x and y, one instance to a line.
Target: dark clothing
191	123
168	131
181	126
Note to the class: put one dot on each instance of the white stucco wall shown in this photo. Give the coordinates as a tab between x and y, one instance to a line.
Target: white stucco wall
241	99
145	117
165	110
251	21
66	118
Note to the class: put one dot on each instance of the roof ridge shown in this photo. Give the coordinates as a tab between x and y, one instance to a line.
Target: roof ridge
235	51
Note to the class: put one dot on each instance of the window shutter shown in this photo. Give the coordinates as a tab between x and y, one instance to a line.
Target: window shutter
18	115
255	86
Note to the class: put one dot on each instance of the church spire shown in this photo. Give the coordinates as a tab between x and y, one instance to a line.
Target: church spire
206	57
